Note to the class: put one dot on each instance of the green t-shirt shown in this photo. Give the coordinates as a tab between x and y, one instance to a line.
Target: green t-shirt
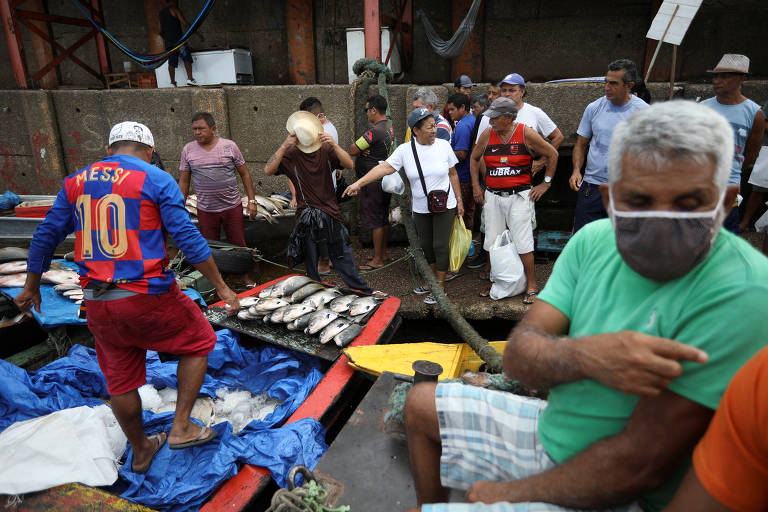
719	307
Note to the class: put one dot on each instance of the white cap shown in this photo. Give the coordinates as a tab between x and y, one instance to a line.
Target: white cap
131	131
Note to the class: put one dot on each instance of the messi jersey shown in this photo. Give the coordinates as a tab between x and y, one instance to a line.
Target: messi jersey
120	210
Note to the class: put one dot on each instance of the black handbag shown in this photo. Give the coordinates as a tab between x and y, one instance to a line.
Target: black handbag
341	186
437	200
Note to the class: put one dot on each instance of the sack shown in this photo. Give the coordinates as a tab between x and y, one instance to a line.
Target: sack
507	272
341	186
459	245
759	176
393	184
437	201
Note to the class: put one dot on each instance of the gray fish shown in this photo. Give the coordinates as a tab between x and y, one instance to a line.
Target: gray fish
302	322
61	288
362	305
277	315
266	317
245	315
320	319
269	291
348	335
268	304
341	304
287	286
305	291
332	329
246	302
295	311
321	298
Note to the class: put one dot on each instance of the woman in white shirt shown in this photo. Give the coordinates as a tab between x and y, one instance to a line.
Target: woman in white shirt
437	161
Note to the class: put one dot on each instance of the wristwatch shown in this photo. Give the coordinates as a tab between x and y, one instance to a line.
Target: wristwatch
547	179
253	201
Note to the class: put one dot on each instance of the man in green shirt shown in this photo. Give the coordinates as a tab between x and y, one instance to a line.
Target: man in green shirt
644	320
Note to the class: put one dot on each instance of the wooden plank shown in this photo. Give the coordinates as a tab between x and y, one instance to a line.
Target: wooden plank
34	357
77	498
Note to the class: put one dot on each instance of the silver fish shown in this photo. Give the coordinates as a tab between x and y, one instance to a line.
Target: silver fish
305	291
268	304
74	291
13	267
348	335
61	288
245	315
269	291
277	315
59	277
332	329
295	311
362	305
341	304
13	280
320	319
321	298
289	285
246	302
302	322
266	317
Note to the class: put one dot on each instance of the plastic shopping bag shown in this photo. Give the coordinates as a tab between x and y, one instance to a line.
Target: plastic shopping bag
507	272
393	184
459	245
759	176
761	224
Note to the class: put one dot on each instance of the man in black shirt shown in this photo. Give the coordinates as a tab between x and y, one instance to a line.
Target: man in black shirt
172	21
371	148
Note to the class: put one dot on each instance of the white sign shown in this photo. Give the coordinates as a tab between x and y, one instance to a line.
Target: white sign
686	10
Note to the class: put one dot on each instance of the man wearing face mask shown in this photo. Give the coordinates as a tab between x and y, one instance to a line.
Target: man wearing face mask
632	336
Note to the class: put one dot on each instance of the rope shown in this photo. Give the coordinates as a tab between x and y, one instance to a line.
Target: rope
455	45
408	255
310	497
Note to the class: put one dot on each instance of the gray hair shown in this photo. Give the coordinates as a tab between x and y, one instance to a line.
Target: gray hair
671	130
426	95
629	67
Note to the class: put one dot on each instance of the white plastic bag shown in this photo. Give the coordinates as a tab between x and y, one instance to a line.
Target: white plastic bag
759	176
393	184
507	272
761	224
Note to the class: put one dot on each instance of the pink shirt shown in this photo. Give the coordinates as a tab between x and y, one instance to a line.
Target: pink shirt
213	174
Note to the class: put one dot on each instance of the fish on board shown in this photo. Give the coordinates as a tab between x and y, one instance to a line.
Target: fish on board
332	329
321	298
13	254
245	315
246	302
265	305
295	311
362	305
289	285
302	322
277	315
283	201
59	277
61	288
13	280
70	293
341	304
348	335
305	291
269	204
13	267
320	319
269	291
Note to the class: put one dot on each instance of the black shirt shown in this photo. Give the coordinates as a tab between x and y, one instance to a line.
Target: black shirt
379	141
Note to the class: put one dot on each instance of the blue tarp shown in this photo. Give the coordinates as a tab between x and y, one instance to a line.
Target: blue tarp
183	479
56	310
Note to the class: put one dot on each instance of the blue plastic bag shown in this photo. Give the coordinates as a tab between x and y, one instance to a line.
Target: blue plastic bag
9	200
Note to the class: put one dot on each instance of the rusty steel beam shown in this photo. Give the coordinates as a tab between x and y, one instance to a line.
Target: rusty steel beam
32	15
42	51
14	48
152	10
301	41
372	27
101	46
470	62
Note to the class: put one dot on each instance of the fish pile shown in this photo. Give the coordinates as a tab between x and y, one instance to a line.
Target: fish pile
13	274
266	208
71	291
302	304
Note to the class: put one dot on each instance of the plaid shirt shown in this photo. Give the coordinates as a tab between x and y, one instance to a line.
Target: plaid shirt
120	210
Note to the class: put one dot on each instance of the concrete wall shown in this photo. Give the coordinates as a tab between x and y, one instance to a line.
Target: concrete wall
47	135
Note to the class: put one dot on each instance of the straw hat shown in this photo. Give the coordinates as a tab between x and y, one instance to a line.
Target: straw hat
732	63
307	128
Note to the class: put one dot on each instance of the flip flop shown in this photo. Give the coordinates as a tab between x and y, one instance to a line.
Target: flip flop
194	442
368	267
484	275
528	296
160	437
486	292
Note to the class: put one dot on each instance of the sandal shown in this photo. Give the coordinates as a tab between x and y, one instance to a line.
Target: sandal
485	275
160	441
486	292
421	290
530	297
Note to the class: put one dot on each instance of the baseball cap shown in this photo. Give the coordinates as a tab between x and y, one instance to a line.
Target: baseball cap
463	81
513	79
500	107
131	131
417	115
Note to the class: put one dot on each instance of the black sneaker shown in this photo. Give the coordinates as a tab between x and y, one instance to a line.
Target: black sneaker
477	261
450	276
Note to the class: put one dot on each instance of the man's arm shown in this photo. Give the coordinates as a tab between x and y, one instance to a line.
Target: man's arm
556	138
273	164
540	146
691	495
617	469
475	160
631	362
755	140
184	177
344	159
242	170
578	157
184	23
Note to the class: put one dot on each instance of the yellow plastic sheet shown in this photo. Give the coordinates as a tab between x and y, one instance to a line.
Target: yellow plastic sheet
461	240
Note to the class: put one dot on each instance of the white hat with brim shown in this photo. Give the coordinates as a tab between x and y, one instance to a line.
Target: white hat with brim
131	131
307	128
732	63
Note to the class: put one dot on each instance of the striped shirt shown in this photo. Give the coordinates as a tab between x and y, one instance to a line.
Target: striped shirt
120	210
213	174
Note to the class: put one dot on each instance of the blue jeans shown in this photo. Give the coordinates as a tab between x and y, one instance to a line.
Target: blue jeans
589	205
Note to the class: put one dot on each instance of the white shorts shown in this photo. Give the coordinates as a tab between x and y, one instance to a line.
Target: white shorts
513	213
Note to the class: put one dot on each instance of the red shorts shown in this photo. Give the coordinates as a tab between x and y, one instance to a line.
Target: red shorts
124	329
210	225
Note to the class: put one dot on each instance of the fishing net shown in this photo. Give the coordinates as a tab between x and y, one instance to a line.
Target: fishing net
455	45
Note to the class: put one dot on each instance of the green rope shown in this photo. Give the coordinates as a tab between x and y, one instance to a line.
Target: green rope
307	498
408	255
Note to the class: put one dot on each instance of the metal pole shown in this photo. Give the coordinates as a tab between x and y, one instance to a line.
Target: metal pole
372	30
101	47
13	46
658	46
672	74
301	41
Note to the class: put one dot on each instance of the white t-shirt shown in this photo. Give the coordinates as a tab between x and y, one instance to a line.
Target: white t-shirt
435	159
530	116
331	130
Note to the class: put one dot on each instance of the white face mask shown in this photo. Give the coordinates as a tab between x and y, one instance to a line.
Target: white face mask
665	245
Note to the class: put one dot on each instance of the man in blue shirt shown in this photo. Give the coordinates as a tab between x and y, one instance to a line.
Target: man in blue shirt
595	131
459	109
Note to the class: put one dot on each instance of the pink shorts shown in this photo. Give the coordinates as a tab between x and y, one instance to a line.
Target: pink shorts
124	329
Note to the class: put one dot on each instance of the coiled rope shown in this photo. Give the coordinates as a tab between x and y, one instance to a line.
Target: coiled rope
310	497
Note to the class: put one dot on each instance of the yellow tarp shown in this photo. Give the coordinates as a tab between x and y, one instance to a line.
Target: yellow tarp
454	358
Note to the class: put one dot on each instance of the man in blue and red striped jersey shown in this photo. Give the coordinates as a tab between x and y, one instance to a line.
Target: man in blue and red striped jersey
121	209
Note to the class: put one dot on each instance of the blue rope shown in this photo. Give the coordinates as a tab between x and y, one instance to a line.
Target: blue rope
154	60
